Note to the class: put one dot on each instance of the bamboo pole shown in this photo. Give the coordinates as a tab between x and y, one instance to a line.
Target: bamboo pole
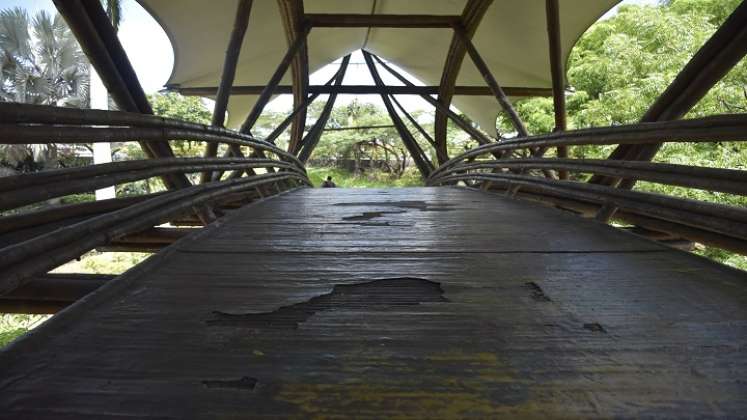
241	22
498	92
418	127
339	20
292	12
44	134
708	129
724	220
421	161
264	97
464	125
298	109
557	70
472	15
711	63
76	181
367	90
20	261
315	133
93	30
710	179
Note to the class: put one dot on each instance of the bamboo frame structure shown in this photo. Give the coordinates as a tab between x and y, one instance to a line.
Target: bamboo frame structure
485	72
243	12
42	240
712	224
712	61
421	160
367	90
267	92
311	139
35	241
292	13
557	70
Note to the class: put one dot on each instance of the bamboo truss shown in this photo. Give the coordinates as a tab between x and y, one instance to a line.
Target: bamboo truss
34	241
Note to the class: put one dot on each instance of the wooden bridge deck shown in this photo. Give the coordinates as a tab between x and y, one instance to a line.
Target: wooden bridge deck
419	302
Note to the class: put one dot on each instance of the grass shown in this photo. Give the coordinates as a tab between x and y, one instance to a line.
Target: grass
370	179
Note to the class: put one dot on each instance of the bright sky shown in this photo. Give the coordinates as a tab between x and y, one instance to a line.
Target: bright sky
153	64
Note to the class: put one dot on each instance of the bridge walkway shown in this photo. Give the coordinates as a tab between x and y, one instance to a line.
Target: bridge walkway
422	302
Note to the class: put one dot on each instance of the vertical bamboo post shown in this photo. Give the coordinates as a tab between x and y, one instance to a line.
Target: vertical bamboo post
241	22
558	74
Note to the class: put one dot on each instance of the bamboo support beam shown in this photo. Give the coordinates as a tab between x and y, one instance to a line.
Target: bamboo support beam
267	92
298	109
58	213
498	92
707	129
417	126
421	160
709	179
320	20
588	207
368	90
557	70
362	127
21	261
241	23
49	293
315	133
151	240
464	125
26	189
292	13
472	14
713	61
93	30
716	218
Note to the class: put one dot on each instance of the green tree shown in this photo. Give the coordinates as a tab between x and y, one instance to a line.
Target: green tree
621	65
186	108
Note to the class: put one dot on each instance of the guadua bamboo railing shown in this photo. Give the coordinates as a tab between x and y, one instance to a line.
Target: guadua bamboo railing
34	241
718	225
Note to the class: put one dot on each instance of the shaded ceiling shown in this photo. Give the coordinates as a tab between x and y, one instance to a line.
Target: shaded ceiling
512	39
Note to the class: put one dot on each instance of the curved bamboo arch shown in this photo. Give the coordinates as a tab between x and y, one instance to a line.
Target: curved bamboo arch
472	15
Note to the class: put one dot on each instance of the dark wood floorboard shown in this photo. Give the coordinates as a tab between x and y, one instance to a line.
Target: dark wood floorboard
400	303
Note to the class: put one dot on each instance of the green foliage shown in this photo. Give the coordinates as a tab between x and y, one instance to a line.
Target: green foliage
96	262
9	335
187	108
174	105
724	257
40	60
620	67
13	326
372	179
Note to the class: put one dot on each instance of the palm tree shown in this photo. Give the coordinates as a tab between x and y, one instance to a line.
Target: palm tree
114	11
40	63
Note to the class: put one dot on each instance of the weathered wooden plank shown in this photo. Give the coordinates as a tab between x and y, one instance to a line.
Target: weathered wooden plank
201	331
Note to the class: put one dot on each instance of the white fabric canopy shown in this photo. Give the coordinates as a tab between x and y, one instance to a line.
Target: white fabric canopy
512	39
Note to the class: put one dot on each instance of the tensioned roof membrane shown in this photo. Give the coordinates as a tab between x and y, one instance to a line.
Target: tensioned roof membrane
512	39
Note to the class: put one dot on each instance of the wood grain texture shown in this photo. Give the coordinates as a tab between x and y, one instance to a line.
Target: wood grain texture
422	303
